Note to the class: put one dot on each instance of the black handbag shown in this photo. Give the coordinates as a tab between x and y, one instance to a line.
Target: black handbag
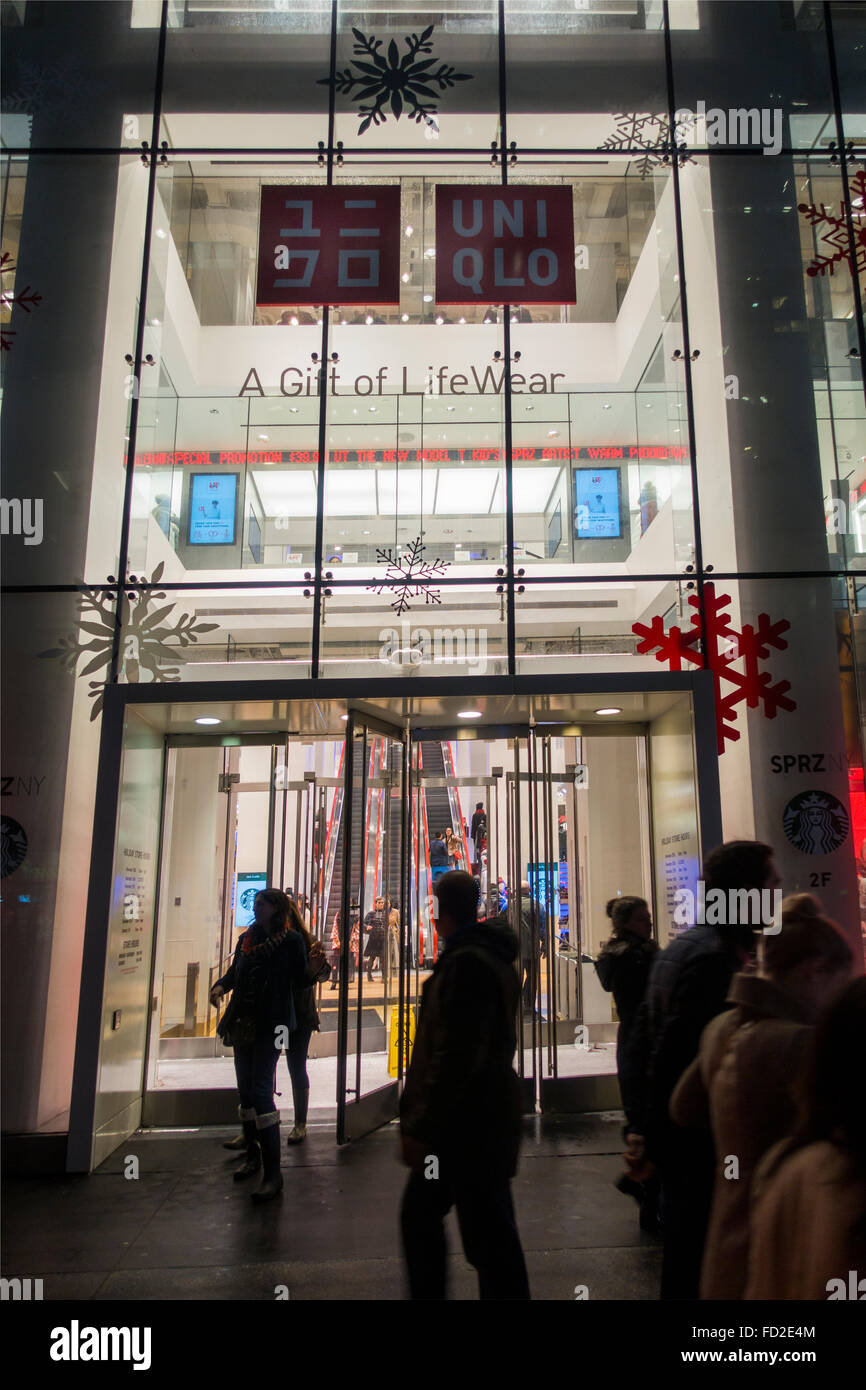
238	1032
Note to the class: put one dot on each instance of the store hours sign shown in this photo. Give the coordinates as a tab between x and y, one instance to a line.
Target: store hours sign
329	245
498	245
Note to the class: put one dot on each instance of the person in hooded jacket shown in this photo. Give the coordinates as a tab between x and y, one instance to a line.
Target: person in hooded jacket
460	1117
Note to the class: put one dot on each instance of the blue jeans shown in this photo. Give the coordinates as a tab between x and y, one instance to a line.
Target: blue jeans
255	1070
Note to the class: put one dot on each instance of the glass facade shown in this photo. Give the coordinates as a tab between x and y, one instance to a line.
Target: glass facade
663	470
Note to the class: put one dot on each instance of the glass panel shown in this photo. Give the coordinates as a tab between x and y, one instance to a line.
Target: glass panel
126	999
172	633
762	81
79	78
604	75
247	76
602	625
778	387
849	42
418	77
462	635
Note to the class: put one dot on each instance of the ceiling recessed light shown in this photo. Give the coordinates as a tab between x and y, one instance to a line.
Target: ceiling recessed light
606	405
409	231
609	709
160	232
344	717
207	719
553	434
293	409
404	318
405	277
264	436
469	714
369	318
428	299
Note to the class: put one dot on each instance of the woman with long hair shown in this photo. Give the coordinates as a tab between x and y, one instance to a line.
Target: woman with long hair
307	1023
269	962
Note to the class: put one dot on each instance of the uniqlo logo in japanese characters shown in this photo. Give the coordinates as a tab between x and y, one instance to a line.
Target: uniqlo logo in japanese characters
329	245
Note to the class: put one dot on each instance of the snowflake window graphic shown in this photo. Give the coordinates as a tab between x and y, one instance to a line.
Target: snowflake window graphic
725	648
26	299
406	84
642	131
144	636
409	575
833	231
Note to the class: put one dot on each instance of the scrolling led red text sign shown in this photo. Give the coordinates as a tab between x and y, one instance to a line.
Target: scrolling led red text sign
498	245
321	245
204	458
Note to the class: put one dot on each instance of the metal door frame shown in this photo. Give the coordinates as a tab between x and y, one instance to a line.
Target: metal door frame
203	1107
369	1111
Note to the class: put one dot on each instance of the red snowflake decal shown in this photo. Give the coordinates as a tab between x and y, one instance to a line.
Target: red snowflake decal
836	234
725	648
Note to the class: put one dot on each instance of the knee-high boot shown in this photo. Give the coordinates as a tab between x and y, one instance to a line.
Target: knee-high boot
253	1161
301	1098
268	1127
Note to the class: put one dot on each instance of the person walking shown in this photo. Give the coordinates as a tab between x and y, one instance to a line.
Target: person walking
376	923
742	1082
438	856
460	1109
807	1235
268	963
335	951
688	986
533	927
307	1022
623	967
478	834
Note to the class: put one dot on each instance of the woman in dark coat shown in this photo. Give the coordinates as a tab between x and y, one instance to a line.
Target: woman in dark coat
623	967
270	960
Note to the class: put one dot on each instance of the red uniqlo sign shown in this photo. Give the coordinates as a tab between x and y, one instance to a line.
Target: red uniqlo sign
326	245
511	245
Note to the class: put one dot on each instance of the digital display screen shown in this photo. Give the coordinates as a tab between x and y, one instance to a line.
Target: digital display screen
248	888
554	532
213	508
596	504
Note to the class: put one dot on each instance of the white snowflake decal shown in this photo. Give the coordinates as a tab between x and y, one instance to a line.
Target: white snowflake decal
834	231
409	575
641	130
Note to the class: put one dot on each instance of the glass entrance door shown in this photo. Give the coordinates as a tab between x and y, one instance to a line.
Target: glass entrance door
373	927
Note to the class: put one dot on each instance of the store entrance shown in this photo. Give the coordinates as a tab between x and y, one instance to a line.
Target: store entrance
555	803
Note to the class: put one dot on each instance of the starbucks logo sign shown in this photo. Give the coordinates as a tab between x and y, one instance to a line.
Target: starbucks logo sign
815	822
13	846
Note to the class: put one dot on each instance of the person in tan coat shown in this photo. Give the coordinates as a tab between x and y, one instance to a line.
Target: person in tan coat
808	1223
741	1084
